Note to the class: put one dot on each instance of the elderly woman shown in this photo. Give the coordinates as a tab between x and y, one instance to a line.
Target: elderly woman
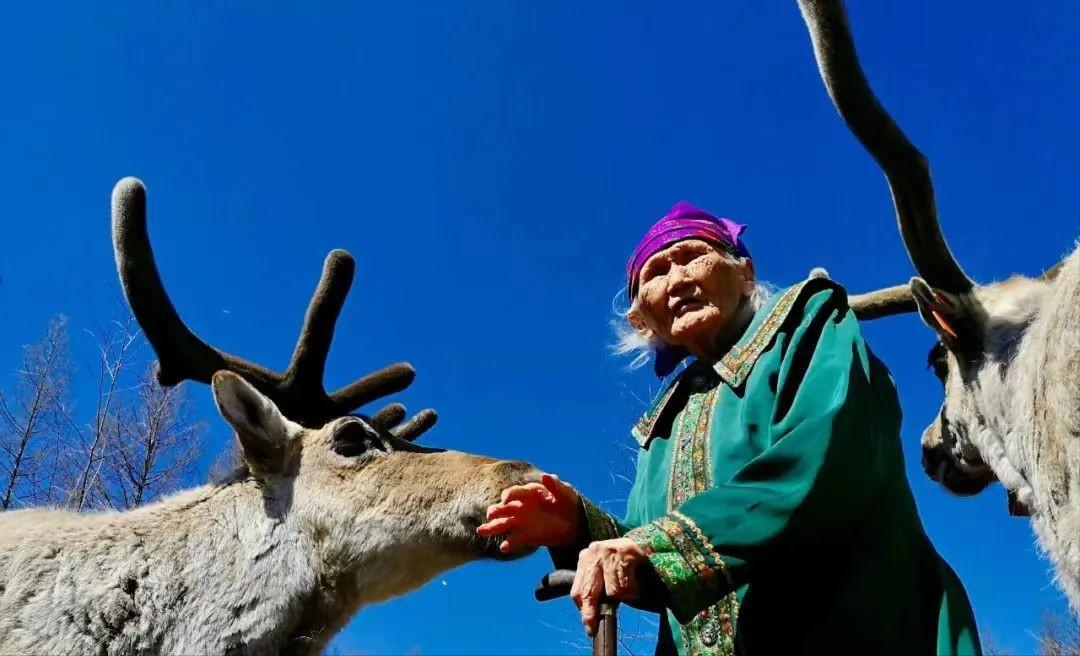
770	497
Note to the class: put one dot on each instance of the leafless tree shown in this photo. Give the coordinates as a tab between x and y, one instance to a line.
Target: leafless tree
132	443
157	444
92	440
1060	635
31	417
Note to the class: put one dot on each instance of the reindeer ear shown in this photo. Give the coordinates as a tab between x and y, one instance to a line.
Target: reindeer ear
943	311
263	432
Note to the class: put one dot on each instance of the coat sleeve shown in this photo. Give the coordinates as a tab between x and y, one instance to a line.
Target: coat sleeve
599	525
596	525
832	439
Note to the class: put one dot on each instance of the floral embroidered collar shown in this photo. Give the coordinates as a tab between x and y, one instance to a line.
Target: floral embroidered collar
733	368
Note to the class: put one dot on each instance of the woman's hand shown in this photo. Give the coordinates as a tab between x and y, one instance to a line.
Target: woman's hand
544	514
608	567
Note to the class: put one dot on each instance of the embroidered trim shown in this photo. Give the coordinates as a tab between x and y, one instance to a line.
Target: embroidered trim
599	524
712	631
701	455
679	578
736	364
688	565
684	559
642	430
690	469
709	557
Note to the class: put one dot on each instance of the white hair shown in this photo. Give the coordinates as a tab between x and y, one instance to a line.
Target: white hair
630	342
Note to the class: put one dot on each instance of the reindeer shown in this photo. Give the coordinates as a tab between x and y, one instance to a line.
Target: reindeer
1008	353
327	511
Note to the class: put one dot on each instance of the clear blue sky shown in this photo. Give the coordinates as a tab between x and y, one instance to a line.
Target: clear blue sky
490	165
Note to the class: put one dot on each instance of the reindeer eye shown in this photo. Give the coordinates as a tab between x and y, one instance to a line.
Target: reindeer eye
354	438
938	361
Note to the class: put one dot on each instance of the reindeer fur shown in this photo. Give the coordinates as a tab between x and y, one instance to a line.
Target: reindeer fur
275	562
1018	407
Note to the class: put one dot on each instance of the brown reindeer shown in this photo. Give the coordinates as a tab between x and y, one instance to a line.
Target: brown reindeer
327	512
1008	353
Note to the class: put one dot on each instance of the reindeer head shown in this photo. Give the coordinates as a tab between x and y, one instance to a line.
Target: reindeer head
978	338
356	486
364	496
978	327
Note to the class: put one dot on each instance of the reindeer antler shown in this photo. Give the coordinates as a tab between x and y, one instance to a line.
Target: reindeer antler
904	166
883	302
299	391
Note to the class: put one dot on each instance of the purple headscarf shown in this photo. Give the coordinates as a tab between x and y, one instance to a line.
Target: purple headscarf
683	221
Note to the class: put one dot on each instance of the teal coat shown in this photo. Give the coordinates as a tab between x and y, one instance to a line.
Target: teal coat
771	498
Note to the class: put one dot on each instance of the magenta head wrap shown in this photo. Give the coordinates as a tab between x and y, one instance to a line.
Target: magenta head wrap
683	221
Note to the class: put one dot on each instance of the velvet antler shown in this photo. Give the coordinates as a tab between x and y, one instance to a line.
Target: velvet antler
299	391
905	168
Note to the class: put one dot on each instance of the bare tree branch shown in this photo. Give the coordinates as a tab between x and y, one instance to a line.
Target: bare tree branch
138	442
28	421
157	446
116	344
1060	635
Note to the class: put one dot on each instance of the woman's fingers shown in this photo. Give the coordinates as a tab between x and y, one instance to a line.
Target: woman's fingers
583	563
504	509
517	540
555	487
497	526
590	599
624	583
519	491
528	492
613	583
588	585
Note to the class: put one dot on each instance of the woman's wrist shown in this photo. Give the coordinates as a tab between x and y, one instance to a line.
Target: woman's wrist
575	527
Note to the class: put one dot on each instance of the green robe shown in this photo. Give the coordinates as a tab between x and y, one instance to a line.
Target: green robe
771	498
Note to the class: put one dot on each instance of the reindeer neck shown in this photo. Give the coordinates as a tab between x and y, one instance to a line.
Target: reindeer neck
264	565
1009	383
209	570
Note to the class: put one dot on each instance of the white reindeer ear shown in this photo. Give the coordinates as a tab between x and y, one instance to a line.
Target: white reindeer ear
263	432
946	313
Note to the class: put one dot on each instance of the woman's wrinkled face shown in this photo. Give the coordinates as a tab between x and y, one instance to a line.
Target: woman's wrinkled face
688	293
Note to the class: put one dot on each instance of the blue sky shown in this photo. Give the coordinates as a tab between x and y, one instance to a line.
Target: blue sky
490	165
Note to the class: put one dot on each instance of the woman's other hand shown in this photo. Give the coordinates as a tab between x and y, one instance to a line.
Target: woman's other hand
610	568
544	514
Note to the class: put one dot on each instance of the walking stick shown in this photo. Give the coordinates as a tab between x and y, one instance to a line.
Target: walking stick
558	583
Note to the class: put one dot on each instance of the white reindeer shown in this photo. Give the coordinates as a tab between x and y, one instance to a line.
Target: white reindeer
1008	353
315	522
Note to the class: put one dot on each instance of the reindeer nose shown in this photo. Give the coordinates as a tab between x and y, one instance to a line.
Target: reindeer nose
933	462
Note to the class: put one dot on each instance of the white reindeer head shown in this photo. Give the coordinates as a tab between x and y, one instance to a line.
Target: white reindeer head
978	338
